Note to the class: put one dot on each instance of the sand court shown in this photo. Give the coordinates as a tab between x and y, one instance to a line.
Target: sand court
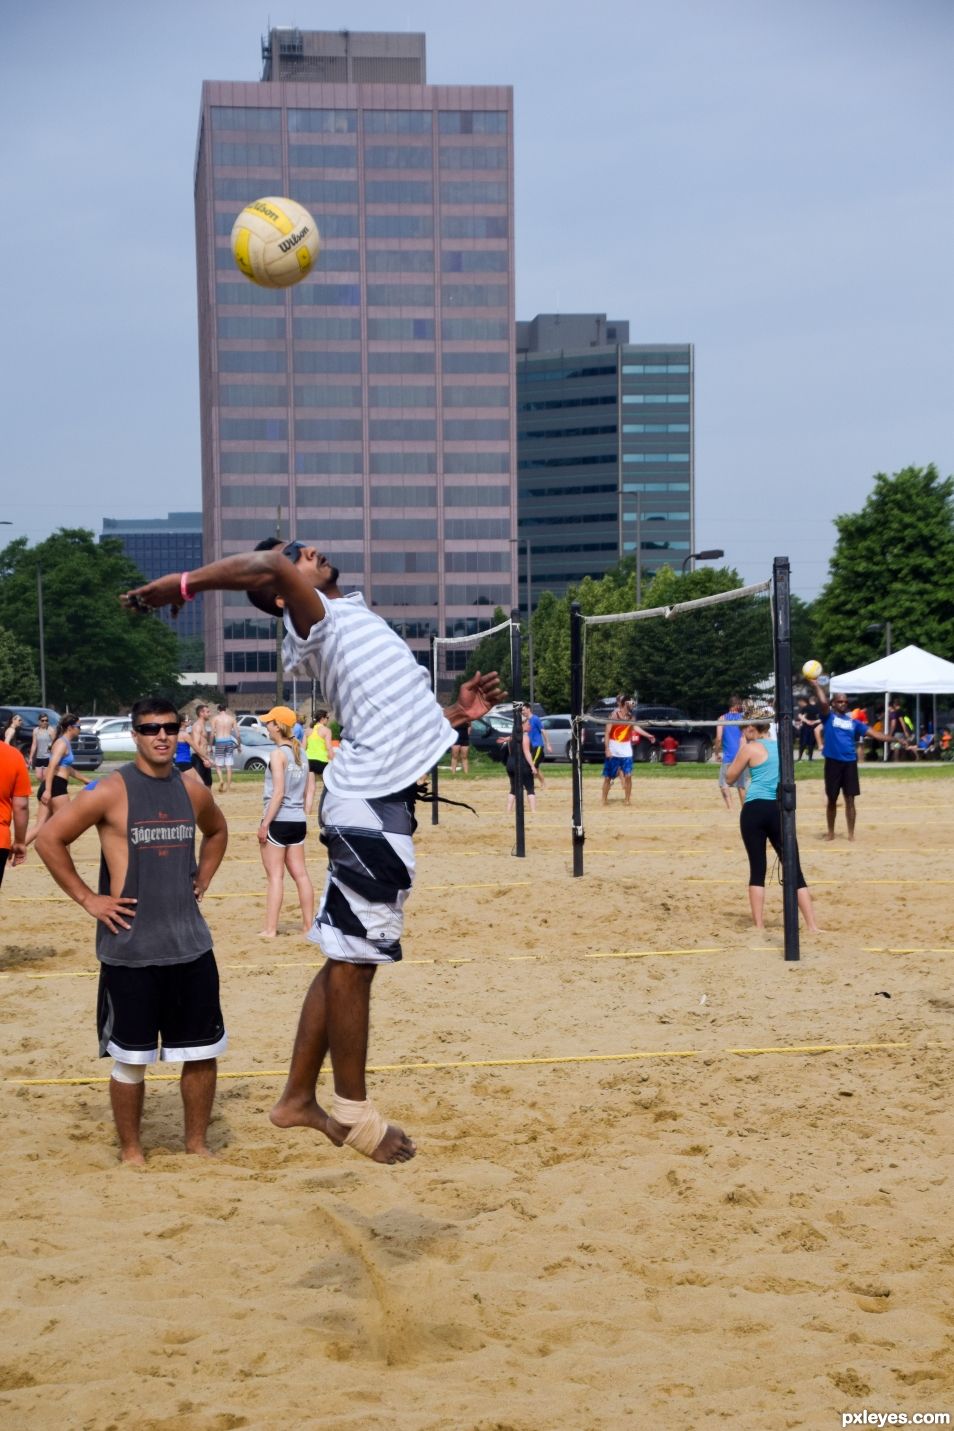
663	1177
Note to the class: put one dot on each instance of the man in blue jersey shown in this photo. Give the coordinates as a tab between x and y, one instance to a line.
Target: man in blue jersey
726	745
392	730
840	749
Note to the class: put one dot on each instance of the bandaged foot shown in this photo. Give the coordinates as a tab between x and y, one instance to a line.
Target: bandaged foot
368	1133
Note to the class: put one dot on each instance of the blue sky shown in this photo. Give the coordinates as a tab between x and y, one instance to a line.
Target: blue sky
770	181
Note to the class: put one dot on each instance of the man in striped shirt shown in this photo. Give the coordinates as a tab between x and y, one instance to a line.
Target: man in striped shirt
392	732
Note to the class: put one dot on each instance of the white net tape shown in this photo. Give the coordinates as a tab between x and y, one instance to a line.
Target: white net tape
466	642
669	611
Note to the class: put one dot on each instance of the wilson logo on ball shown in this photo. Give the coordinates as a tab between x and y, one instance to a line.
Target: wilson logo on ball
275	242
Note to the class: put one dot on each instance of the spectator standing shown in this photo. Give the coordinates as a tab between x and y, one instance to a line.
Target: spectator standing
726	746
14	806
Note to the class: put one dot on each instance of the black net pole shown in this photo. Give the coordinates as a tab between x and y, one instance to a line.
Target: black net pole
435	778
576	741
516	737
784	716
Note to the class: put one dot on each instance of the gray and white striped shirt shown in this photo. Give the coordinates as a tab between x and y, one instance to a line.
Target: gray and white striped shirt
393	730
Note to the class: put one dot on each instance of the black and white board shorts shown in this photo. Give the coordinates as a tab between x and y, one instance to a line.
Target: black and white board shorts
169	1012
370	874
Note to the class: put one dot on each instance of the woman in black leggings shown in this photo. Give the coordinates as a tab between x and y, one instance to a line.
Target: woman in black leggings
760	822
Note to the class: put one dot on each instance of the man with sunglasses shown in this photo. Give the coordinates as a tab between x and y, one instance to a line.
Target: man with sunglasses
159	986
393	731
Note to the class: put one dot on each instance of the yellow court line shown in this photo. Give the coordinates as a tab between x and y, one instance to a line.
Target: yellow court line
699	879
554	1062
647	953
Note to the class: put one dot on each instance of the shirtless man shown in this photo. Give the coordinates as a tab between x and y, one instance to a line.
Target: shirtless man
200	737
158	980
366	813
226	739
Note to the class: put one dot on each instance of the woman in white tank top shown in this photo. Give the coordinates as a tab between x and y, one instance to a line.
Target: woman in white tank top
284	828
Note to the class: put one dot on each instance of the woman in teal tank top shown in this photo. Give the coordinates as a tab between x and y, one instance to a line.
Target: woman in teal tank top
760	821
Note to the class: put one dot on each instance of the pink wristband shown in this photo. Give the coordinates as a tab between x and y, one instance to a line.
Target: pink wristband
184	589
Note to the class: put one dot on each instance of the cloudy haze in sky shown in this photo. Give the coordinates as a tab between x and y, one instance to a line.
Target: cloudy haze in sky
767	179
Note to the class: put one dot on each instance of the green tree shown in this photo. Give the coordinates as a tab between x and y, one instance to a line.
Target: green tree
490	654
893	561
97	653
18	683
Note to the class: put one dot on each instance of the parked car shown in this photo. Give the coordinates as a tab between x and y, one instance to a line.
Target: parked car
559	729
490	734
247	721
695	743
115	736
255	752
87	752
95	723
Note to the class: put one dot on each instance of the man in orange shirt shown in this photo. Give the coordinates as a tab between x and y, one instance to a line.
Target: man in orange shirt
14	806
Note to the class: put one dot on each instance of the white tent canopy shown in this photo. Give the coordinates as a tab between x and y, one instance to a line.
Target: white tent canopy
909	671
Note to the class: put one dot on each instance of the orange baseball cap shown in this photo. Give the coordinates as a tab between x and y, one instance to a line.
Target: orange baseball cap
283	714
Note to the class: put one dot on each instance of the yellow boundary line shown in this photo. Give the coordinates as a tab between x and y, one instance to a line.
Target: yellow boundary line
558	1061
472	959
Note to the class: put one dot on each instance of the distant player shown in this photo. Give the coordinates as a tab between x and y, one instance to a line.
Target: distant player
726	746
618	748
841	734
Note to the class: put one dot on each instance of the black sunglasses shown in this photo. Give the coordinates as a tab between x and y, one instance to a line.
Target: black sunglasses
293	551
159	727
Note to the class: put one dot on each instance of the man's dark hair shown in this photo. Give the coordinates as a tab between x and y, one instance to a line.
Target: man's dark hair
152	705
265	601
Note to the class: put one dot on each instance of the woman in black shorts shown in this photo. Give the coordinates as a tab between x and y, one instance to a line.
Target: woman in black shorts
284	827
53	793
521	769
460	750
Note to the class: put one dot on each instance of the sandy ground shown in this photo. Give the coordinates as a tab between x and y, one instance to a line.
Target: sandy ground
665	1179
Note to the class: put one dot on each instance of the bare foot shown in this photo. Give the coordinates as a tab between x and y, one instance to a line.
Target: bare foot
288	1113
829	837
132	1157
201	1150
394	1147
268	934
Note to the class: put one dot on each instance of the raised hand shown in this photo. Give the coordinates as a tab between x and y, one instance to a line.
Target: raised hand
164	591
479	694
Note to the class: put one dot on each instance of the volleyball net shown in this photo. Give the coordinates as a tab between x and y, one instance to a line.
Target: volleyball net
778	591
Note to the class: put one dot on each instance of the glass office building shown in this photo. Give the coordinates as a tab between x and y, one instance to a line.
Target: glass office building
371	407
604	449
159	545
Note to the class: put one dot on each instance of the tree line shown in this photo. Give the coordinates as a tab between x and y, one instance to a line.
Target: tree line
893	561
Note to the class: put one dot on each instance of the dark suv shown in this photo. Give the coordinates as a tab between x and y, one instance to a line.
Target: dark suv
87	751
695	742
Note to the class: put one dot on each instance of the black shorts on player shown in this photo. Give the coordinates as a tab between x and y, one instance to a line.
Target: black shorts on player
287	833
841	778
141	1007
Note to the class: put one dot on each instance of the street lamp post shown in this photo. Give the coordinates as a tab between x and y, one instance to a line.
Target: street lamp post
701	556
515	541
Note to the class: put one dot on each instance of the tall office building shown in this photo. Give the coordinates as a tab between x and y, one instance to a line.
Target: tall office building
371	407
604	448
159	545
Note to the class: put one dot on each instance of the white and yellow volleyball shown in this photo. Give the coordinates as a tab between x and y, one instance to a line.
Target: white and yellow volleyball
812	670
275	242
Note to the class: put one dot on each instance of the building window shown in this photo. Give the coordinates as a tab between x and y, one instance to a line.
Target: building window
474	329
418	529
396	330
247	156
475	396
329	295
224	117
322	121
398	156
398	191
328	429
253	395
251	360
401	295
399	362
324	329
477	496
456	156
478	121
466	529
397	121
327	395
408	395
399	226
402	429
476	191
253	429
326	191
460	463
472	226
323	156
392	562
476	429
474	260
412	463
411	496
328	463
250	327
321	360
238	464
390	260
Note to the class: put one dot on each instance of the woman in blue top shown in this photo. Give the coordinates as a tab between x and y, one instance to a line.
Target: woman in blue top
760	821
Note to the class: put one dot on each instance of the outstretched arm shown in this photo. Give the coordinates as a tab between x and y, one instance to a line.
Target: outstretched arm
248	571
475	698
821	695
647	733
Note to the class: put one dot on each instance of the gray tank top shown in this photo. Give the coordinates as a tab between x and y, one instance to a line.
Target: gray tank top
293	796
167	927
44	739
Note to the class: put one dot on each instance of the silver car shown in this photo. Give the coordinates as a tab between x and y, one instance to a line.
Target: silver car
558	729
255	752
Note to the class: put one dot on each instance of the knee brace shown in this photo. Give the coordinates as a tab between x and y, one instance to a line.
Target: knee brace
128	1072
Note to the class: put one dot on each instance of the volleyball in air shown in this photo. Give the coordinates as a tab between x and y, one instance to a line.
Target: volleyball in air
812	670
275	242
